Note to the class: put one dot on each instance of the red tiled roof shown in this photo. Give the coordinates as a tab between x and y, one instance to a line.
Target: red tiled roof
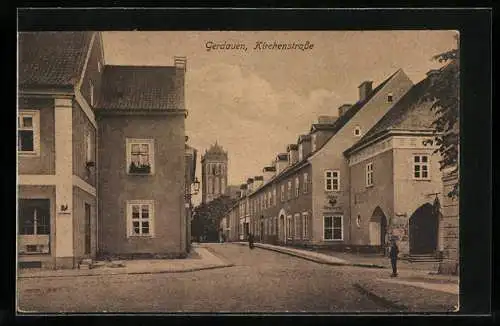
52	59
138	87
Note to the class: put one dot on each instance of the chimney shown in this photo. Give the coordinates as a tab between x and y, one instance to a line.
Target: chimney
259	181
293	153
268	173
343	108
243	189
326	119
250	185
304	146
281	162
364	90
180	73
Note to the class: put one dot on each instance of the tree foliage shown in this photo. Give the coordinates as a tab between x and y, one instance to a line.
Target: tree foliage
444	92
207	217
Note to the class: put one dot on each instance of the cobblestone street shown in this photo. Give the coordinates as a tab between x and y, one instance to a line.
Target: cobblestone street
259	281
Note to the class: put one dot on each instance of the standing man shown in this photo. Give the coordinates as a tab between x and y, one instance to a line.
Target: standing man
250	240
394	257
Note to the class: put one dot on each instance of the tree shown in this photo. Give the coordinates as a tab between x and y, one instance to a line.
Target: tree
443	91
207	217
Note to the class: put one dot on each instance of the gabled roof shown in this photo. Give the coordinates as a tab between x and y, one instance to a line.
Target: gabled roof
408	114
52	59
138	88
351	112
336	126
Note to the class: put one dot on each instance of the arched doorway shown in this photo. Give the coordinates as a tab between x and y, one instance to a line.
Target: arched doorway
424	228
377	227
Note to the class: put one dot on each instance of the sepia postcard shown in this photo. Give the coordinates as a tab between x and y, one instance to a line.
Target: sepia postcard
238	171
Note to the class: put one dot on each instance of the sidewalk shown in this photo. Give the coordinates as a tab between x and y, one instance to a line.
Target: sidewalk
409	296
405	270
205	260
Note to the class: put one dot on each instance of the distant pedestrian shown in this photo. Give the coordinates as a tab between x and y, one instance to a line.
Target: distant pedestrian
250	240
394	258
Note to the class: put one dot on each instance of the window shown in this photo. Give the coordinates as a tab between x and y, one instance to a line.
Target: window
301	155
264	202
34	226
282	193
369	174
210	186
332	182
357	131
216	186
269	199
313	142
305	185
289	189
28	141
140	156
358	221
297	185
91	90
421	167
140	217
305	225
389	98
333	228
289	227
274	196
296	229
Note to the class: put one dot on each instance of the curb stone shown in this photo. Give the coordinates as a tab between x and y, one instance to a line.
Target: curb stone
187	270
379	299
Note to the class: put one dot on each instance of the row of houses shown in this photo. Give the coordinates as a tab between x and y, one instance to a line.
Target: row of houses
103	162
353	181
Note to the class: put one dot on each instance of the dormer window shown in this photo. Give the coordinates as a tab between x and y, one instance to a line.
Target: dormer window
389	98
357	131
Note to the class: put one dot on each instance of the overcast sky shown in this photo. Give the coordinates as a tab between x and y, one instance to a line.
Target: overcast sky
255	102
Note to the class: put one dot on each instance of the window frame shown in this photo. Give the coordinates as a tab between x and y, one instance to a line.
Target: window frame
305	226
289	189
369	174
150	219
274	196
358	130
420	164
140	141
326	178
333	216
297	187
35	128
282	195
289	227
297	235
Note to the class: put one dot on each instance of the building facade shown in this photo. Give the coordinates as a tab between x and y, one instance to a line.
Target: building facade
345	184
97	147
214	173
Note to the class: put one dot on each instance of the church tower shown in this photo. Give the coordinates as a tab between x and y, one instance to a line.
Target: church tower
213	173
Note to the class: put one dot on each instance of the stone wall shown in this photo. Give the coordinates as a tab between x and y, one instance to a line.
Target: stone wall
450	228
